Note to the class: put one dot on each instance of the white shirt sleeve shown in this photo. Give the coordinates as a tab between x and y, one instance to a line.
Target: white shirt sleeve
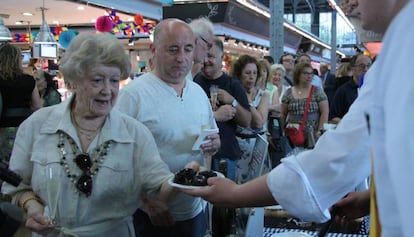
307	184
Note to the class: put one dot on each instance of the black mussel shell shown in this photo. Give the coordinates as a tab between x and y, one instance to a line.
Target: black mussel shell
208	174
190	177
184	176
199	180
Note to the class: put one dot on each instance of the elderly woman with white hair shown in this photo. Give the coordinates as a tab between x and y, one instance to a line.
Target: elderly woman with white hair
83	164
277	74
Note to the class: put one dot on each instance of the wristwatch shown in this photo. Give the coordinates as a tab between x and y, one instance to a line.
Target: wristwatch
234	103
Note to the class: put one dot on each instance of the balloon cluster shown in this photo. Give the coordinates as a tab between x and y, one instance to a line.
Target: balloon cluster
56	30
21	37
26	37
112	23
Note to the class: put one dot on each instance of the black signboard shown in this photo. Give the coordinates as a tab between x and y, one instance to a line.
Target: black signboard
245	19
221	12
215	11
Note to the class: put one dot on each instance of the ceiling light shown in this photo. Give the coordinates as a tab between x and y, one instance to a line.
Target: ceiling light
5	34
44	34
27	14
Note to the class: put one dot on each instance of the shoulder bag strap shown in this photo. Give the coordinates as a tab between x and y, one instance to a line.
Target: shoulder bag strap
305	115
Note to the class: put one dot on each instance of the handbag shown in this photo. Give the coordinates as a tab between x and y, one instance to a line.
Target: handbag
297	135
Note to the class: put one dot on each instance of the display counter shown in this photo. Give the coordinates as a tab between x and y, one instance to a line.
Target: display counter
270	220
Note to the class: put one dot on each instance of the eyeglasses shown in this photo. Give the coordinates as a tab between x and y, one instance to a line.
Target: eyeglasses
84	184
362	66
209	45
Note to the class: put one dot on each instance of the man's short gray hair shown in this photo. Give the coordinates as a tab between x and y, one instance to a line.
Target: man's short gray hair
202	26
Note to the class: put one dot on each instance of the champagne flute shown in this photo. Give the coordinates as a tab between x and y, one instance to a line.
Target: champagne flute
208	207
206	156
213	96
53	191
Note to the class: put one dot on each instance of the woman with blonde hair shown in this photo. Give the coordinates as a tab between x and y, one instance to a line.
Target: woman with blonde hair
277	75
19	94
343	74
264	82
18	89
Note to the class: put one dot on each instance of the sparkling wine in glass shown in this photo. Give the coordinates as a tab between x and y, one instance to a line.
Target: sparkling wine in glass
206	156
213	95
53	191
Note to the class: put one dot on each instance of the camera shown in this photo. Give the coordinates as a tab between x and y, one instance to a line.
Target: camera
8	175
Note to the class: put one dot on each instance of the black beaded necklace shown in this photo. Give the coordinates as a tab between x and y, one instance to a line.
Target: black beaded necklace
98	157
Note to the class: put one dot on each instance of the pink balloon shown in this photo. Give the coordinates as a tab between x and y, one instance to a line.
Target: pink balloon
104	24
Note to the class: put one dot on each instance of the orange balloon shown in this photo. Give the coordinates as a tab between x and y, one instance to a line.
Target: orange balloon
138	19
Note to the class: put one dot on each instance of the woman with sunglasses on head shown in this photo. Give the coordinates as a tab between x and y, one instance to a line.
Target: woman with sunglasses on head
295	103
84	165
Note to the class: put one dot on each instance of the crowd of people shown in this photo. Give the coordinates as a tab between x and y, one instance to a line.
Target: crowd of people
98	163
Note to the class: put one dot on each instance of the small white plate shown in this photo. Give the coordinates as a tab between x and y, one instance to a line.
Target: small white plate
170	182
291	234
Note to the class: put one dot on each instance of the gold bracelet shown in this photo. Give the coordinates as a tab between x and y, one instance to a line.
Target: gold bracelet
24	203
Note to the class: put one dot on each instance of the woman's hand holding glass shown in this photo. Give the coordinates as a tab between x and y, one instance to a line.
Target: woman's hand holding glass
36	221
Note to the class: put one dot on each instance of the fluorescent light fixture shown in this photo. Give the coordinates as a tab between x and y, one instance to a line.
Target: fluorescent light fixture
254	7
341	13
